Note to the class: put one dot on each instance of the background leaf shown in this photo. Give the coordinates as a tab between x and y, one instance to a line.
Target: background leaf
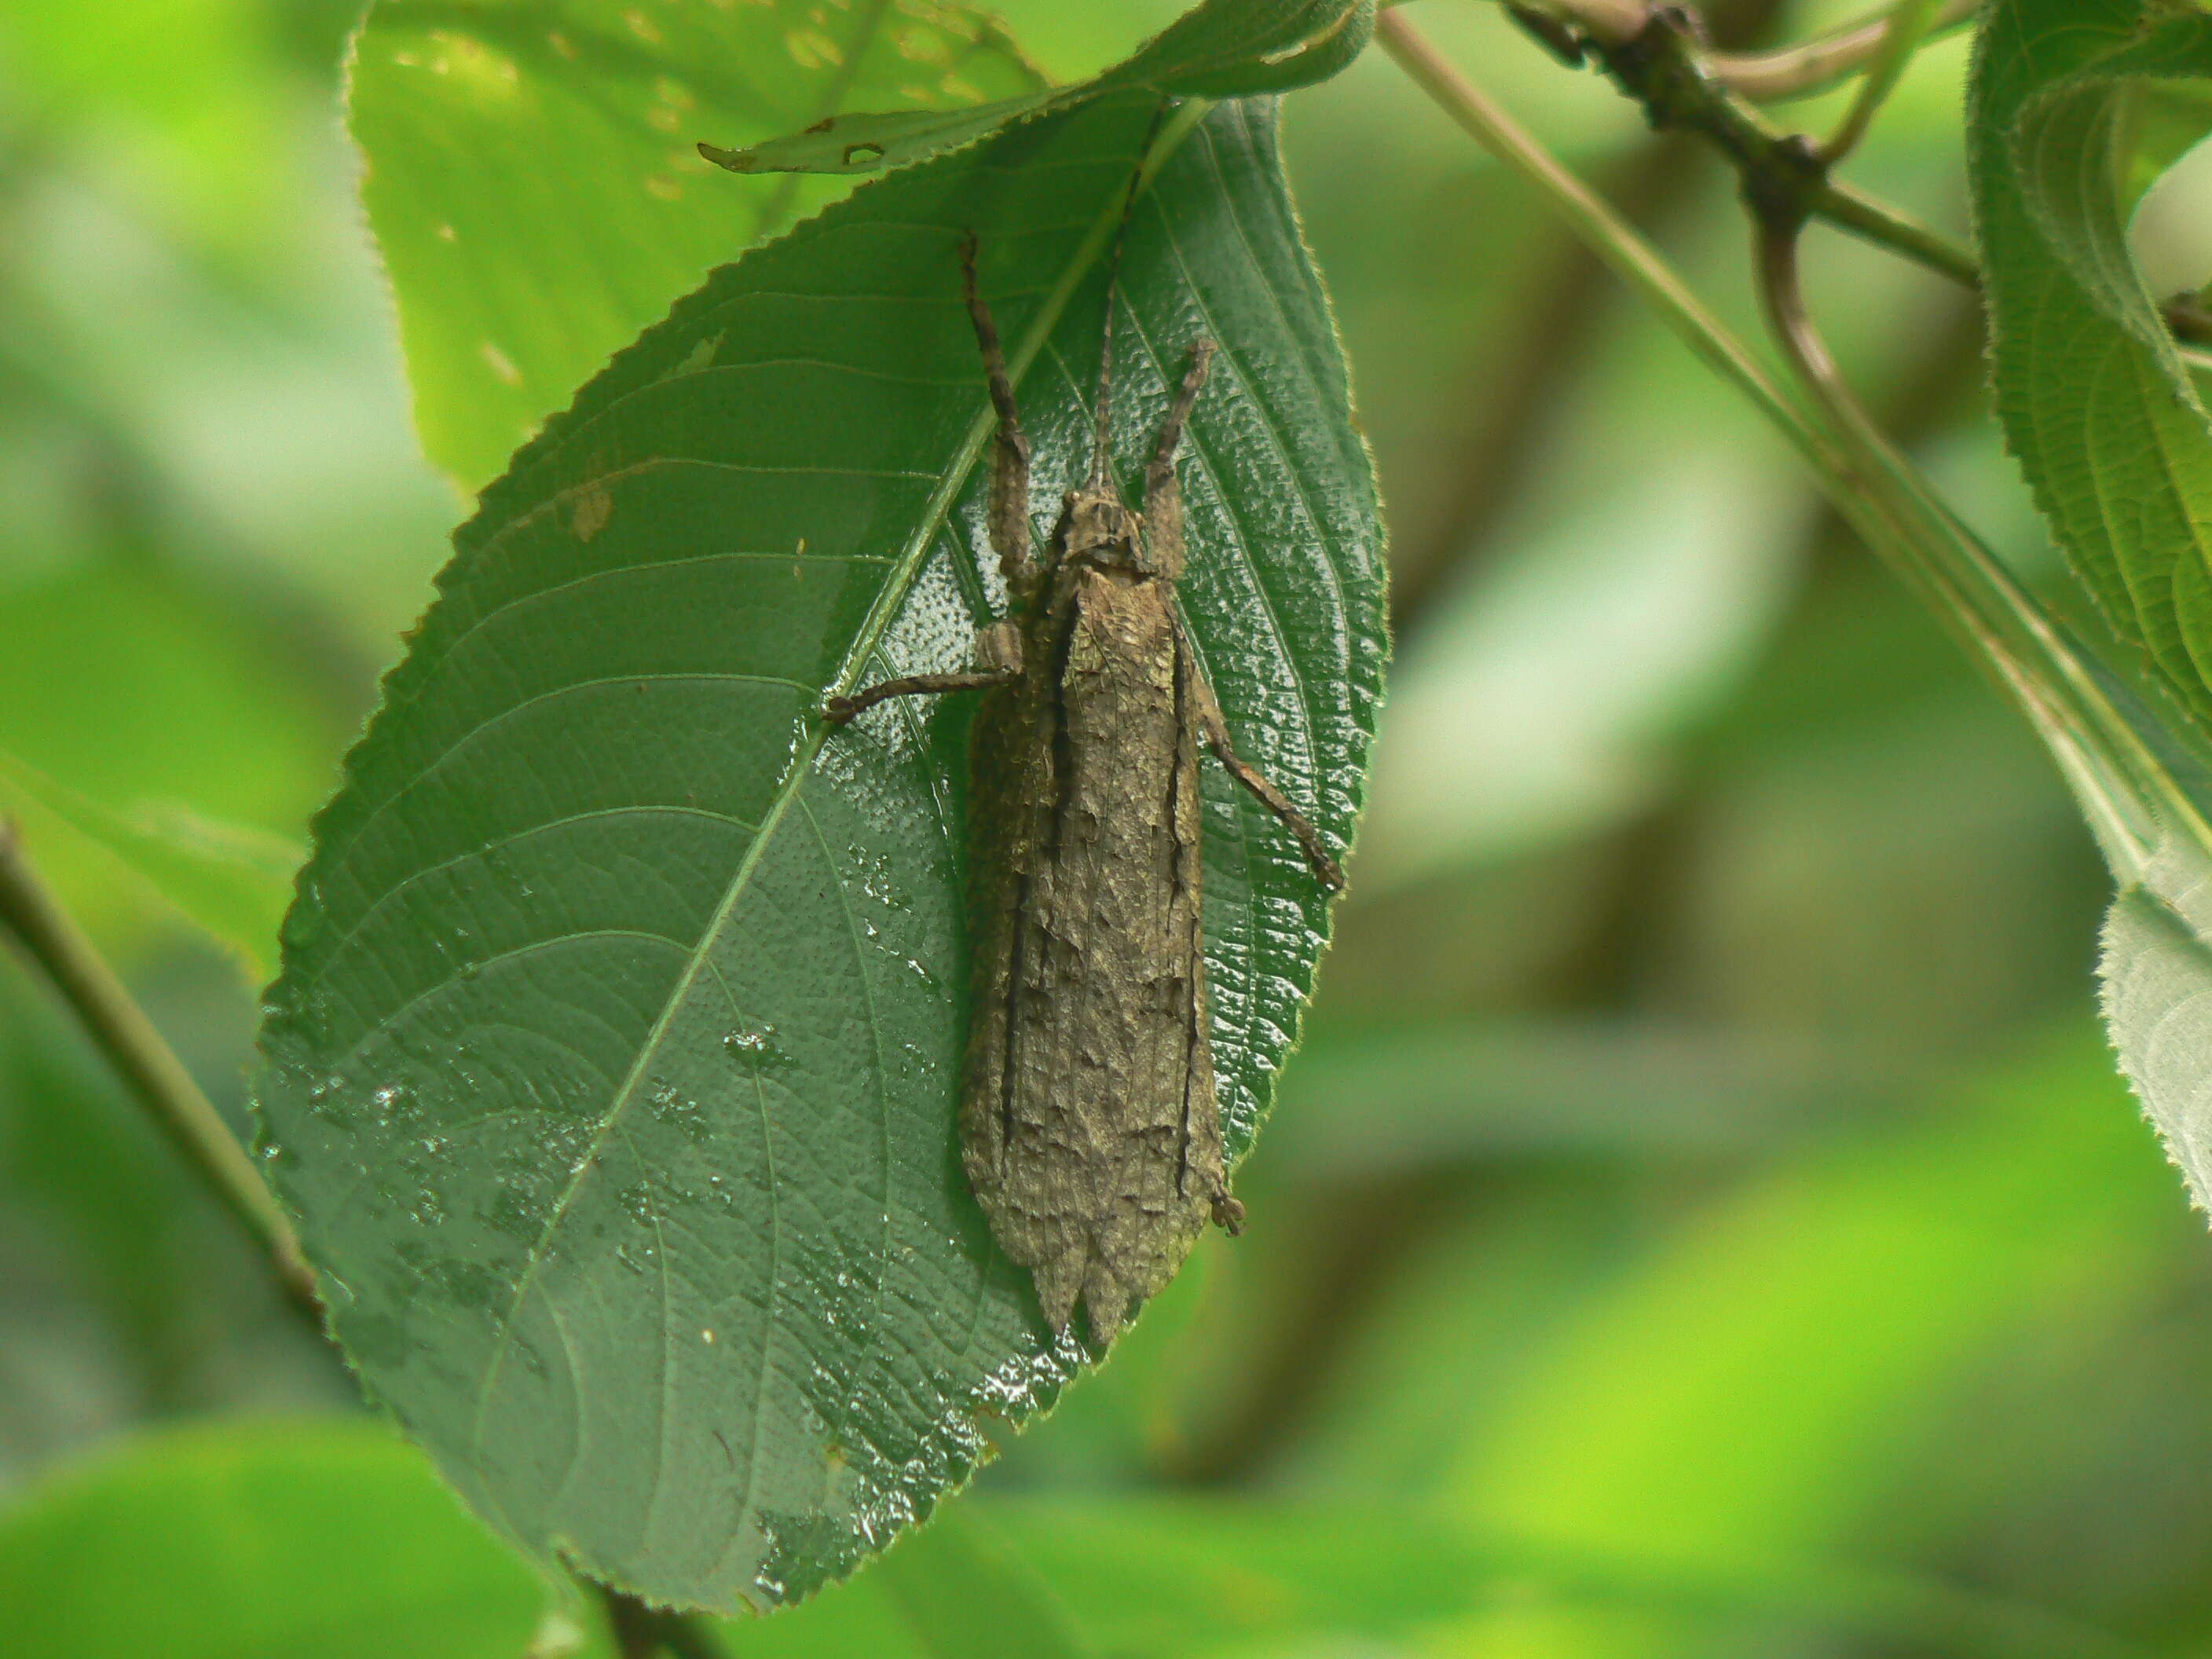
533	185
2095	401
2156	972
612	1069
1170	1577
322	1540
233	882
966	1593
2072	103
1221	49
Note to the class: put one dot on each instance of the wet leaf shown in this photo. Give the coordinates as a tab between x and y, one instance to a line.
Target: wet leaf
611	1071
533	180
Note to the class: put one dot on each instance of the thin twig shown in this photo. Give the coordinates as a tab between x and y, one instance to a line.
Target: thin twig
1814	66
1609	21
2125	789
1615	241
1610	236
1765	77
148	1067
1903	31
1886	227
1664	68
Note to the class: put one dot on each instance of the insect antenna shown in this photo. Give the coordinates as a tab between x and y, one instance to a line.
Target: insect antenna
1101	432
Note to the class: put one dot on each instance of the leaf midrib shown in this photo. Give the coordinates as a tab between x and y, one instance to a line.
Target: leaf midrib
869	636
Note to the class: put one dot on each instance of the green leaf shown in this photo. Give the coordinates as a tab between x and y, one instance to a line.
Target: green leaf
854	146
308	1540
2074	105
532	178
2095	401
2156	973
1224	49
611	1071
1238	48
231	881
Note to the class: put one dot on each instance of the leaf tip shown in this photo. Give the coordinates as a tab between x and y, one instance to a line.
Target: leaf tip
736	161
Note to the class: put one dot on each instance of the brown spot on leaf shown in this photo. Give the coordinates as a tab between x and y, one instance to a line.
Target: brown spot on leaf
594	507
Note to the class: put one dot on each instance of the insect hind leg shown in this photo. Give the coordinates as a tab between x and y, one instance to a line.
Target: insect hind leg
1213	726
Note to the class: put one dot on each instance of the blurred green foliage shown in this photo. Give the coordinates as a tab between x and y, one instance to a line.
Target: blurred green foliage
1703	1219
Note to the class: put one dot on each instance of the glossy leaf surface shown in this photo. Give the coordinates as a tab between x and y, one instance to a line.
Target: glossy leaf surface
611	1071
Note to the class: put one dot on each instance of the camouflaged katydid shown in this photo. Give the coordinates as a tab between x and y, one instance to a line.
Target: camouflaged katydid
1088	1125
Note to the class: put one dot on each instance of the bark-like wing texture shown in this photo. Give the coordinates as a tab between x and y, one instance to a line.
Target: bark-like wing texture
1092	1130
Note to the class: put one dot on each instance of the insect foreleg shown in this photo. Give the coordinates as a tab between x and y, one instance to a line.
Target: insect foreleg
1214	726
1162	489
1160	474
1009	511
998	662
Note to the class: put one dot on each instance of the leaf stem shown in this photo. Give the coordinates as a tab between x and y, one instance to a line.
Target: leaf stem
1878	222
148	1067
1610	236
1765	77
1664	68
1815	66
2126	789
1901	37
2130	794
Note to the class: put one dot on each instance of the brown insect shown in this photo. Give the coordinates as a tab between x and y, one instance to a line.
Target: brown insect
1088	1122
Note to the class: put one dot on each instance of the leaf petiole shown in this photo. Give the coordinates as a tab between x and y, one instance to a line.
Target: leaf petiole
1901	36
